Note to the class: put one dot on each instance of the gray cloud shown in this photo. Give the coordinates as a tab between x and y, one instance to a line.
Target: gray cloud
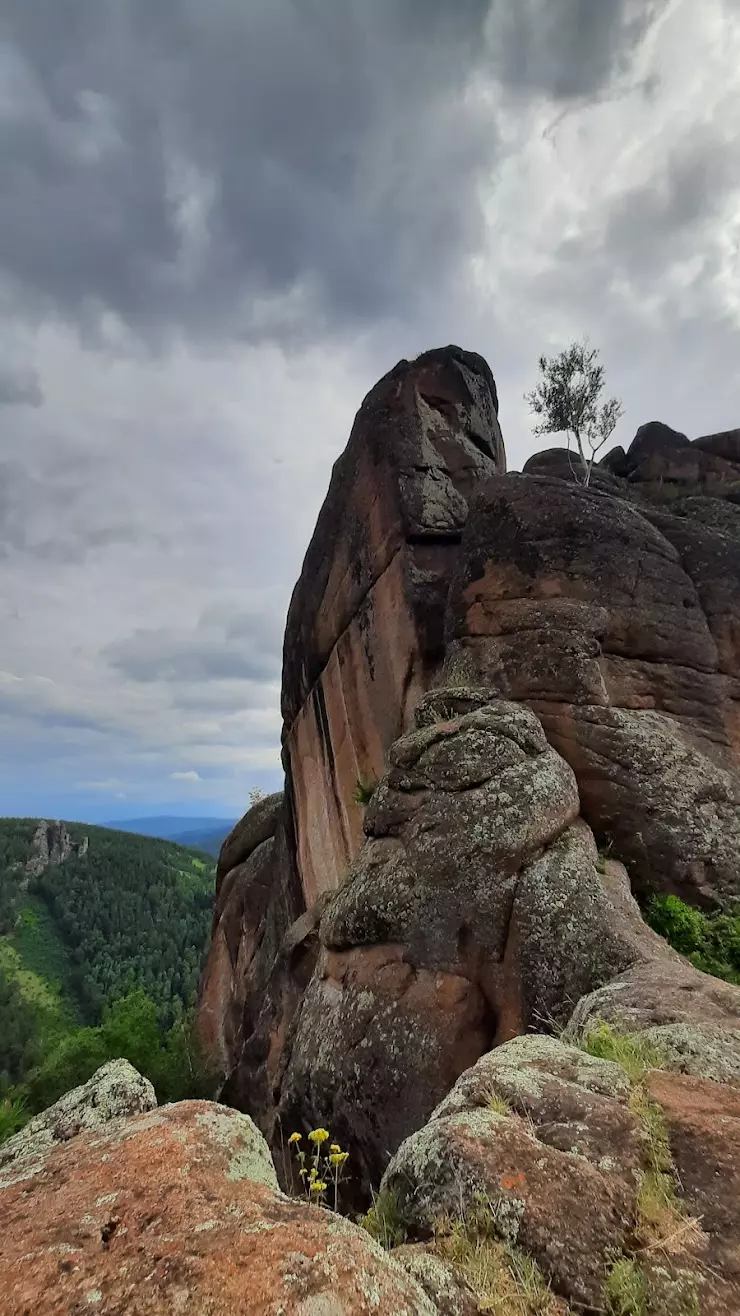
221	221
19	388
201	160
223	647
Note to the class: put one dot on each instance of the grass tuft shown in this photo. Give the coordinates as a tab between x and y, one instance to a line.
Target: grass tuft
363	792
635	1054
626	1291
384	1222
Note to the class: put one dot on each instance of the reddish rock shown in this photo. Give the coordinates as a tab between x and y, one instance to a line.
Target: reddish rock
703	1121
177	1213
256	902
378	566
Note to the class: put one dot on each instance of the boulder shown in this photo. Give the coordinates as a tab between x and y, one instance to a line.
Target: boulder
177	1213
555	1169
378	565
555	1152
115	1091
695	1016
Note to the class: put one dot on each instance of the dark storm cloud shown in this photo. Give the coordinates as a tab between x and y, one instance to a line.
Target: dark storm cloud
246	647
174	161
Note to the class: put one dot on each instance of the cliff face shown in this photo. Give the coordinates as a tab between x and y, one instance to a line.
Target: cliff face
526	671
365	629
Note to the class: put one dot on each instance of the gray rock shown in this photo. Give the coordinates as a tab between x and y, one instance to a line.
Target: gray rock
114	1091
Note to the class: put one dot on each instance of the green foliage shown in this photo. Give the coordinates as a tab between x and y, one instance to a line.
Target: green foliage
566	398
172	1059
384	1221
635	1055
20	1042
710	941
100	959
364	791
13	1115
503	1278
134	912
626	1291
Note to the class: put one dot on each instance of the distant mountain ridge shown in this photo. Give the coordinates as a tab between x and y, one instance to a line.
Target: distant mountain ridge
205	834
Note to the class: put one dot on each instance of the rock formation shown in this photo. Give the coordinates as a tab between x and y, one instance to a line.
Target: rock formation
177	1212
52	845
535	685
364	635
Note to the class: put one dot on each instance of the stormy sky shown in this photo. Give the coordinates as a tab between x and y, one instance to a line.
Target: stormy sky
220	222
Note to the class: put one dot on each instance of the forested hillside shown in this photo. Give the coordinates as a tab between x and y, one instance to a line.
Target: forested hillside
97	945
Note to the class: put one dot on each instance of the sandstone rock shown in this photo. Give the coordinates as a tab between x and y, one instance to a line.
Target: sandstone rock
258	824
558	1184
658	994
449	1294
177	1212
619	633
253	1083
703	1121
378	565
114	1091
257	901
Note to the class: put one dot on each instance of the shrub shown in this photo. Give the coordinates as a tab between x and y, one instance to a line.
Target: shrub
711	941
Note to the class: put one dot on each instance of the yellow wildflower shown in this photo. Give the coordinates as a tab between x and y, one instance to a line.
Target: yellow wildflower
338	1158
318	1136
318	1186
335	1147
294	1137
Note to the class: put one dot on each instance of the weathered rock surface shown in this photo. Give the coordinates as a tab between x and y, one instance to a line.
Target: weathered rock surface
703	1122
695	1015
378	566
114	1091
553	1145
619	629
475	911
559	1184
177	1213
258	897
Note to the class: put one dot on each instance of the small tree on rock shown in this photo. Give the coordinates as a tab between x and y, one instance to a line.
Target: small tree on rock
567	398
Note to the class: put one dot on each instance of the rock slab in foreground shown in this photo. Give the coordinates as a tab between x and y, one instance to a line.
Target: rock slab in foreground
114	1091
176	1212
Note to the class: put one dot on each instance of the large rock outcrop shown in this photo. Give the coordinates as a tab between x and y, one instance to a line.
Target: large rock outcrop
364	635
530	676
620	630
477	909
51	846
177	1213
